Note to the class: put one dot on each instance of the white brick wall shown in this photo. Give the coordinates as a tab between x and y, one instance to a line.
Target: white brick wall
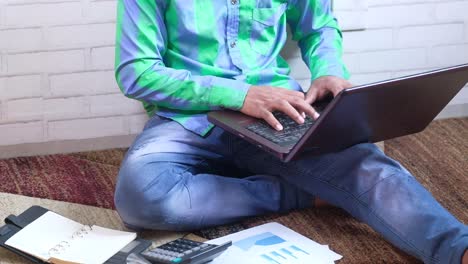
56	60
391	38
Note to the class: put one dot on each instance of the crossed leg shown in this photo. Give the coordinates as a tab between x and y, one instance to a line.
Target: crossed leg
175	180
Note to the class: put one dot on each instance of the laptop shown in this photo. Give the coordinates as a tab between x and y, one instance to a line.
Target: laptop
366	113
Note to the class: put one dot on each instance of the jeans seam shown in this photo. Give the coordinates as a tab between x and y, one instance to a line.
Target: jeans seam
390	228
175	173
150	184
393	172
184	183
188	192
185	180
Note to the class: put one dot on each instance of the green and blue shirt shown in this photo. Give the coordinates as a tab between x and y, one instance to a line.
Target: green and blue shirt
183	58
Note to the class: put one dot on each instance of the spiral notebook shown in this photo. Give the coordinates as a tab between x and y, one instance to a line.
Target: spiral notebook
57	239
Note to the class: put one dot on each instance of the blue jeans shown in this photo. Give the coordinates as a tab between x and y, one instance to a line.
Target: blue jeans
173	179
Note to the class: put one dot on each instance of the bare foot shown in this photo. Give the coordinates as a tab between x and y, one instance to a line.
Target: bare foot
321	203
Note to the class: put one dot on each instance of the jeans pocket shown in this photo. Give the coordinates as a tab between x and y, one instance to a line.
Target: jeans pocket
265	27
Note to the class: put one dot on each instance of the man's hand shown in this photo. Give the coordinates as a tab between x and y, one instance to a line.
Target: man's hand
325	85
261	101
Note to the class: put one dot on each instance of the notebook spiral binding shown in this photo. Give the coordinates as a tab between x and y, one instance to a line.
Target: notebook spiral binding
63	245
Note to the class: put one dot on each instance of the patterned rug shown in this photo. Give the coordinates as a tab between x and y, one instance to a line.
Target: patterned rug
84	178
438	157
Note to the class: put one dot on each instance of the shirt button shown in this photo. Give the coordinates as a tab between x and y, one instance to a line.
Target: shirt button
233	2
233	44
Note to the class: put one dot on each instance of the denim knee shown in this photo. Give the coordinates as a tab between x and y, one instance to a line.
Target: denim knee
359	168
149	194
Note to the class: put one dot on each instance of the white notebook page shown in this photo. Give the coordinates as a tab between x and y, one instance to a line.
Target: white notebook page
97	246
51	229
44	233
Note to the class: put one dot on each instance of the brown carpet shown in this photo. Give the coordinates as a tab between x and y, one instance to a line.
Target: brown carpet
84	178
438	157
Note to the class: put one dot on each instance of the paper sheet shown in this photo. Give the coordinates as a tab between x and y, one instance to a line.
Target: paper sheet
273	243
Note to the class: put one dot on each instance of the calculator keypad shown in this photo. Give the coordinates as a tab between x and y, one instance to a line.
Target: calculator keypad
176	251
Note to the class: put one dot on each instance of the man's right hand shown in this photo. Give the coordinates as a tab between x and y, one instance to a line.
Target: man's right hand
261	101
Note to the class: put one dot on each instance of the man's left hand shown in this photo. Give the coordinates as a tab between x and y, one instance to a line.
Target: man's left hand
325	85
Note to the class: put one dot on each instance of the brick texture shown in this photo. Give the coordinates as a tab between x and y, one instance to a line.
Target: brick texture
87	128
57	57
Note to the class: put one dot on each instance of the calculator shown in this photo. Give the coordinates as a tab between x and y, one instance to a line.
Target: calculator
184	251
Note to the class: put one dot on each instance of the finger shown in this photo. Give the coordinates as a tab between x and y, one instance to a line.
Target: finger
304	107
320	94
285	107
272	121
311	95
347	84
336	89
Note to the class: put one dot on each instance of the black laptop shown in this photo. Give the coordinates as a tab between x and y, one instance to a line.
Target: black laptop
366	113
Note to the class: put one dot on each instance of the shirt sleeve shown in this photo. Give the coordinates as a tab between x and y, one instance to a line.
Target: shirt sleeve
141	42
316	29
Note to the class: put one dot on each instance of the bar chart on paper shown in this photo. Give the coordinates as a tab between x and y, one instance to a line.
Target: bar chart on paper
273	244
274	249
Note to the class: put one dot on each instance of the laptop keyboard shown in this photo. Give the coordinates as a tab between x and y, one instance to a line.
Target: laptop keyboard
291	132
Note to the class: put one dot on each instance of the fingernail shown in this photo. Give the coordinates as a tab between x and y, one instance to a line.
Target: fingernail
301	120
303	115
316	116
279	127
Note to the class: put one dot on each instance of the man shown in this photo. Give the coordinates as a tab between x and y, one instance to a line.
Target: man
183	58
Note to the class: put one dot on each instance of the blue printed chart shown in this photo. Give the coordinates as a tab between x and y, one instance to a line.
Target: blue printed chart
273	244
284	252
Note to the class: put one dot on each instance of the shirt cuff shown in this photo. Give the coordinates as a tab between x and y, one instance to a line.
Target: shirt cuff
228	93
